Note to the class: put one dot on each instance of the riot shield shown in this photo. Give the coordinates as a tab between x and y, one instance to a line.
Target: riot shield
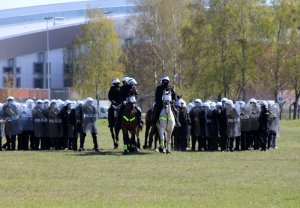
245	119
254	116
11	115
273	122
195	119
40	122
55	125
233	121
210	124
25	121
89	119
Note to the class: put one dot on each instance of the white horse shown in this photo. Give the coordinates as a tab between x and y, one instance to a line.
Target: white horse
166	123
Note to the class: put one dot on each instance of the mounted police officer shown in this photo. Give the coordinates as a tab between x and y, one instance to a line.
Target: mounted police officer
164	85
128	89
115	99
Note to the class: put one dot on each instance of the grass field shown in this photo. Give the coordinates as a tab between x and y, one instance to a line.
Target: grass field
149	179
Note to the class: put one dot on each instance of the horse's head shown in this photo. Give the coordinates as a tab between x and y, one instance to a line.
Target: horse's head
166	98
131	102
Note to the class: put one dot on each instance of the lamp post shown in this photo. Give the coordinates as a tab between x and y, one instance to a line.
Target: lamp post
48	63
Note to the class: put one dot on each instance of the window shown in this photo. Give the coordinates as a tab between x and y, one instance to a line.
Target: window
41	57
68	83
38	82
38	68
8	70
67	68
11	62
18	82
18	69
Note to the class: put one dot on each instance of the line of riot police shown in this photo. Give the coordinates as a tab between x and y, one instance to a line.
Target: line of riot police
228	126
47	125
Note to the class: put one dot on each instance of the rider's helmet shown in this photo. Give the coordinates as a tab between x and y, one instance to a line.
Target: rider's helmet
115	81
165	81
125	80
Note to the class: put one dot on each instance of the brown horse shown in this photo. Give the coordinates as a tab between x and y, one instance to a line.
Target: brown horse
150	131
114	129
129	125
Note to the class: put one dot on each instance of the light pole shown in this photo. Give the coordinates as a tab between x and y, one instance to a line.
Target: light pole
48	63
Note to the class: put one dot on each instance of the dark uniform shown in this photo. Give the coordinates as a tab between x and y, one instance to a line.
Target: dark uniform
159	103
69	121
263	127
181	132
195	127
127	91
115	99
78	125
213	141
222	123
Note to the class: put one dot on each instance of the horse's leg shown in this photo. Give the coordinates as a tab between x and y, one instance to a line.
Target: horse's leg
168	141
138	138
125	140
112	135
148	125
117	131
162	140
156	137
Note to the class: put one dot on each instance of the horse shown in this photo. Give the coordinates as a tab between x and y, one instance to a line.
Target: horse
129	124
166	123
114	129
150	131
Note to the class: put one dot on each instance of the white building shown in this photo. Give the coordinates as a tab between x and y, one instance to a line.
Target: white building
23	38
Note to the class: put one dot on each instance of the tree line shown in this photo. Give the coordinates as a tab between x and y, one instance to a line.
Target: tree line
210	49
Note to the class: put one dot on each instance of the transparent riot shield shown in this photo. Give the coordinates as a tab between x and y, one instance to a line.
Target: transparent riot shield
40	122
233	121
273	122
254	116
245	119
11	115
211	123
55	126
25	121
89	120
195	120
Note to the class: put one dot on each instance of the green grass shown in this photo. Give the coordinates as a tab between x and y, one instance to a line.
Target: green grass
182	179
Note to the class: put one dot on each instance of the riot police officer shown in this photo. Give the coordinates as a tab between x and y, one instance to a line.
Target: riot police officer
195	123
263	125
164	85
181	135
89	118
68	118
11	117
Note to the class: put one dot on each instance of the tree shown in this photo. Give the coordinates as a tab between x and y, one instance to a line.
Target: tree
158	23
292	64
275	35
98	60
